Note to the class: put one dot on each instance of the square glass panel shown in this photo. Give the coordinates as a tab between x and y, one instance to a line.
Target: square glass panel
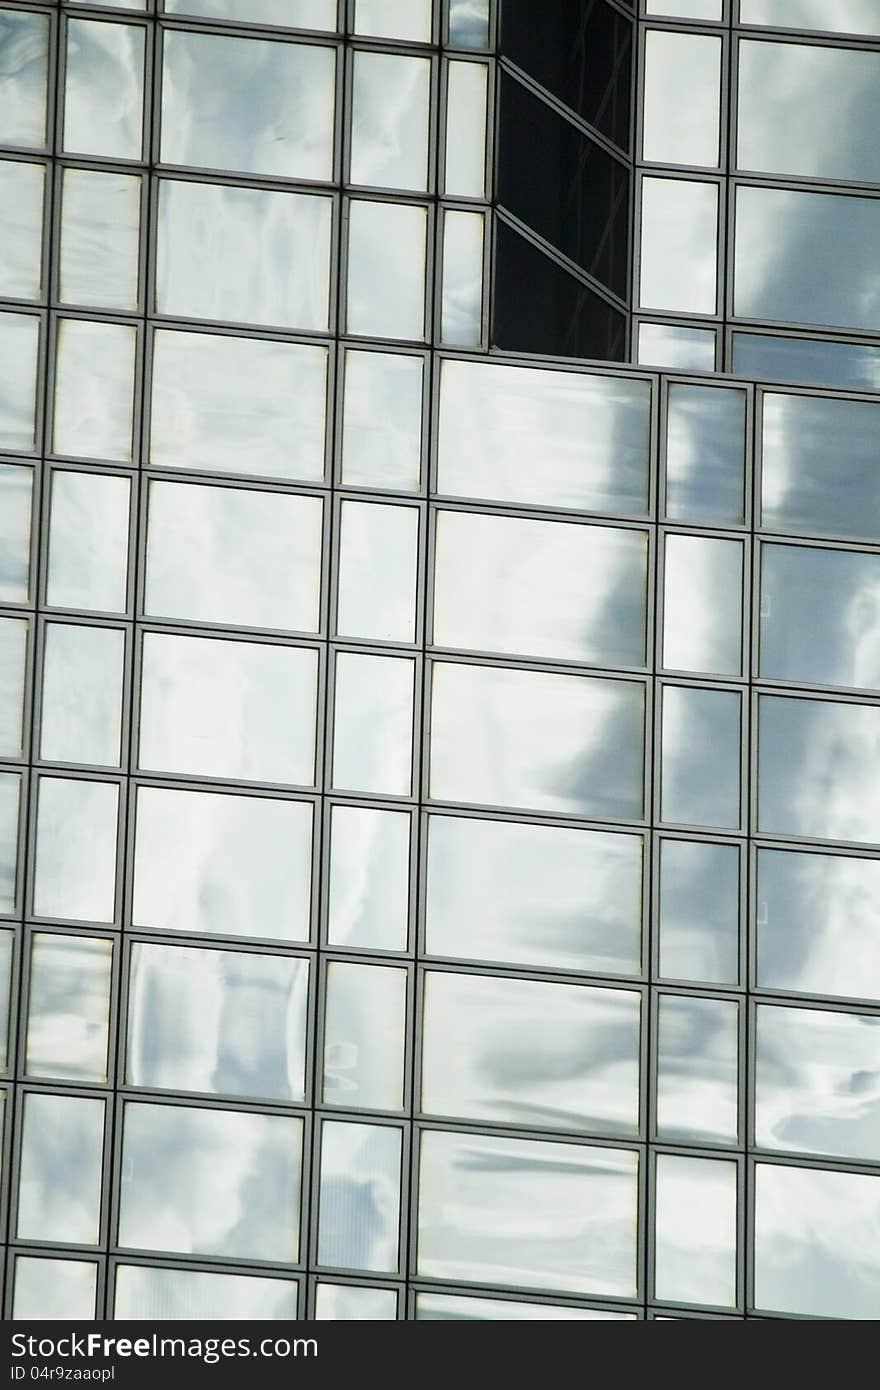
75	874
699	911
387	250
354	1303
13	666
19	347
359	1213
54	1290
373	724
24	66
469	23
382	421
564	744
88	541
227	1023
467	90
223	555
364	1036
100	229
104	89
215	708
820	622
679	234
682	98
819	469
697	1070
703	605
369	878
81	706
529	1213
16	506
705	454
378	566
461	314
187	1295
530	1054
21	227
695	1232
701	757
222	865
10	798
391	99
69	1007
94	390
246	255
394	19
59	1189
211	1182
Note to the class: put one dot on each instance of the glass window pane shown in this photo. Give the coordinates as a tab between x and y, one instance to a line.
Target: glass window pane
819	466
238	405
186	1295
373	724
222	555
544	896
359	1214
532	739
196	690
682	98
261	107
54	1290
688	9
75	875
539	588
10	795
677	347
94	390
386	269
781	358
845	17
702	605
100	227
81	708
222	865
69	1007
13	659
522	1212
59	1192
369	878
7	953
298	14
818	923
590	433
699	912
223	1022
469	23
695	1240
697	1066
818	769
529	1053
701	757
16	499
678	245
378	565
467	87
813	1090
806	257
819	623
462	291
247	255
24	44
211	1182
815	1241
88	541
104	89
394	19
389	122
382	425
354	1303
21	227
705	454
19	346
441	1307
364	1036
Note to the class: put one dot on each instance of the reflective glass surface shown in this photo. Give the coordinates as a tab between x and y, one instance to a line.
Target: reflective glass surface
59	1191
10	796
88	541
299	14
695	1234
389	120
699	911
780	358
382	421
171	1295
466	96
19	345
69	1007
373	724
705	454
700	776
675	346
359	1212
364	1035
462	291
469	23
13	656
697	1060
75	872
50	1290
819	466
702	605
21	228
678	128
81	711
846	16
354	1303
369	878
94	390
678	245
820	616
394	19
441	1307
16	494
104	89
387	249
378	565
24	45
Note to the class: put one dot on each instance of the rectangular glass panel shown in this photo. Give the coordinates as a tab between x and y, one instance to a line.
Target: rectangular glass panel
75	875
532	739
688	9
462	291
382	421
10	795
280	122
378	565
703	605
695	1233
540	588
529	1053
69	1007
298	14
682	98
697	1069
705	454
222	865
387	247
100	228
59	1191
24	42
679	232
13	659
104	89
54	1290
469	23
589	435
844	17
467	86
441	1307
523	1212
224	1022
226	1182
545	896
699	912
701	757
394	19
238	405
223	555
391	97
195	690
81	708
819	769
818	923
373	724
7	954
819	466
369	878
246	255
354	1303
781	358
16	503
360	1196
21	227
94	390
19	347
186	1295
364	1037
88	541
676	347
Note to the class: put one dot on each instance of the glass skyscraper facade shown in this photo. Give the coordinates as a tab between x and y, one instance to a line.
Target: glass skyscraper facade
440	659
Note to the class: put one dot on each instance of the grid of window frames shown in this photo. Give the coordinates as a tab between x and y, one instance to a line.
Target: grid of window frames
422	899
